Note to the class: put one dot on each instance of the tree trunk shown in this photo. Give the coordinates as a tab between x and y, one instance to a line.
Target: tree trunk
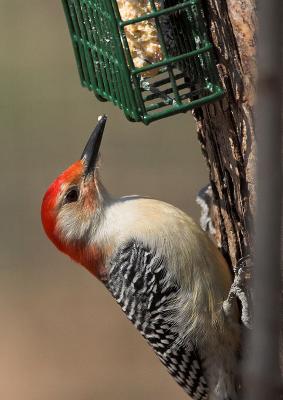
226	128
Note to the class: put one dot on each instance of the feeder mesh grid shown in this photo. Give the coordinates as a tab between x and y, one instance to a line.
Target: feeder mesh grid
185	77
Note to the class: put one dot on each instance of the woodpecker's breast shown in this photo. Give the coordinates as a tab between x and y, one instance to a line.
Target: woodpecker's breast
139	281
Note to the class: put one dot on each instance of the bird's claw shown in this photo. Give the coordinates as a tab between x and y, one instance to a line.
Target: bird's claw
240	290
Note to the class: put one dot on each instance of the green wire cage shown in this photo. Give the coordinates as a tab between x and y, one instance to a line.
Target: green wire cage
157	64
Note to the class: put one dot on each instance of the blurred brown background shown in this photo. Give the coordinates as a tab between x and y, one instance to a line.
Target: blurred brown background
62	337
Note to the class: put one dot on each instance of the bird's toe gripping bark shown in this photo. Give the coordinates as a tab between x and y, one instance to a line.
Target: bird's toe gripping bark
204	200
240	290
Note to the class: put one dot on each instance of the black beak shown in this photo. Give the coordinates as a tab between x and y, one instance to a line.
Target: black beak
91	150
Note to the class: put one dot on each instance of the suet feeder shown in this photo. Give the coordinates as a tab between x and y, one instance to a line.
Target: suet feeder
152	58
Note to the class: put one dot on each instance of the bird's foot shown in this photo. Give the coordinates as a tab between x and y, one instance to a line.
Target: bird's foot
204	200
240	290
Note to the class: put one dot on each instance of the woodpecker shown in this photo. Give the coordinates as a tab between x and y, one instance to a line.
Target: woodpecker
162	269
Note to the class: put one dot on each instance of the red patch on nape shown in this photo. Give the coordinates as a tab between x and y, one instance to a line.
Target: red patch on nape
49	202
90	257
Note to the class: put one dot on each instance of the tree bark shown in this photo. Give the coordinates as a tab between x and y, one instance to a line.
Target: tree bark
226	128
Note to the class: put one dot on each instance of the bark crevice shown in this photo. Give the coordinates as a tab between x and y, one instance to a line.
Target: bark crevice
226	128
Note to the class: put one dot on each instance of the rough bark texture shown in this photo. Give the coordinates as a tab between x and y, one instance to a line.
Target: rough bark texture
226	128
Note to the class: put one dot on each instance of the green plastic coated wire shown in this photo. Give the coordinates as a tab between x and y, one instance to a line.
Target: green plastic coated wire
187	78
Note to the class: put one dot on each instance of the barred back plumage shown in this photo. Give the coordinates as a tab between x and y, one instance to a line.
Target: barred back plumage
139	282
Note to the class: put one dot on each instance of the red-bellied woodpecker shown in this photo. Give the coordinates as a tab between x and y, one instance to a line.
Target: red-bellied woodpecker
166	274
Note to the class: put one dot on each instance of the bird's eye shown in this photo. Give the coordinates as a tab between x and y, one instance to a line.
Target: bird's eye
72	196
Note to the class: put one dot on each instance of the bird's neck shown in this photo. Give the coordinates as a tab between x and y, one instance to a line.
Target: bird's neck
89	256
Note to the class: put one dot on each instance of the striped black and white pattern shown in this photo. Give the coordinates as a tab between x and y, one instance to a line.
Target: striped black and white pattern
139	282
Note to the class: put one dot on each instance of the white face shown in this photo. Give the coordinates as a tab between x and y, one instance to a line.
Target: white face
78	209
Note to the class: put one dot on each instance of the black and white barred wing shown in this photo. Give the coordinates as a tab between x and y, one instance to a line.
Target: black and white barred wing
139	282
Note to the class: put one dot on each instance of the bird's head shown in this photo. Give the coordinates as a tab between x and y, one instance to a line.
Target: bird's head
72	206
